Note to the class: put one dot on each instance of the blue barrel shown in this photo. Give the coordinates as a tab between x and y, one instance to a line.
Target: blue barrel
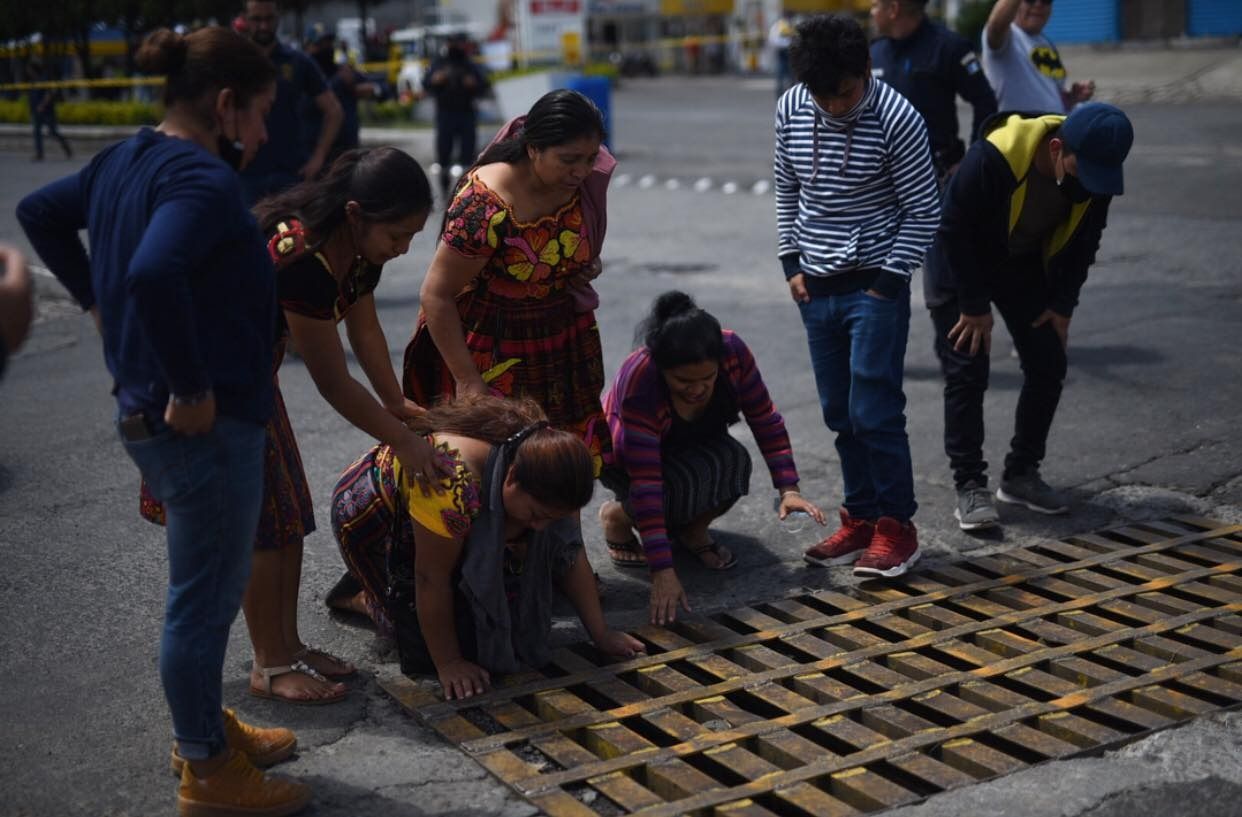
599	91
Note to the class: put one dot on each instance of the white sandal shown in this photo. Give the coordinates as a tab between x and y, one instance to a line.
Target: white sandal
309	650
268	673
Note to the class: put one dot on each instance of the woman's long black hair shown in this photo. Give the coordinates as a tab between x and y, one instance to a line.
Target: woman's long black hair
557	118
387	183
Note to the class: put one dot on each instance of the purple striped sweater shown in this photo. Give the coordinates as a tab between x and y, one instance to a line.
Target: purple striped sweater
640	414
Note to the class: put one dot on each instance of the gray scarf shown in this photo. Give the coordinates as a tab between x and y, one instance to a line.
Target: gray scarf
506	639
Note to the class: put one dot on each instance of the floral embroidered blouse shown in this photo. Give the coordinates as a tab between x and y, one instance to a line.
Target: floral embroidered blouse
305	284
526	260
447	514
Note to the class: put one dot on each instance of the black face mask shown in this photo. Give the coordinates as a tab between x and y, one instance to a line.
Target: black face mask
456	53
1072	189
232	151
326	62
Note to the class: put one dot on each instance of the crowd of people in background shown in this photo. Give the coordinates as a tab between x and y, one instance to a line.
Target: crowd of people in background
232	230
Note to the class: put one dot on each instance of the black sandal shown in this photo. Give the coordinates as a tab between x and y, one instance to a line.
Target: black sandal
628	553
714	548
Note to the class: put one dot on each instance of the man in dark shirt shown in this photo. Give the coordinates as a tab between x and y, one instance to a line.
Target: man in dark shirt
284	160
346	83
456	82
1021	224
930	66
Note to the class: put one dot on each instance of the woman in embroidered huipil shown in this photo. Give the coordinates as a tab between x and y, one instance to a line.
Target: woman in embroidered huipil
329	239
507	305
674	466
463	578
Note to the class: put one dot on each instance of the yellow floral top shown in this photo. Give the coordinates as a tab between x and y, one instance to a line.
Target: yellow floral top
447	514
527	260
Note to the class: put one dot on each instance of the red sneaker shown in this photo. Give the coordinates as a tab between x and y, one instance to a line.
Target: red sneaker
892	550
844	546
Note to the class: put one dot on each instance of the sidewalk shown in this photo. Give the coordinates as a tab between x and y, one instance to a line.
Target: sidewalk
1138	73
1124	74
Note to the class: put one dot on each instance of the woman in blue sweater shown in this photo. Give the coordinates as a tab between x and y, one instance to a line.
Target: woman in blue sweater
182	290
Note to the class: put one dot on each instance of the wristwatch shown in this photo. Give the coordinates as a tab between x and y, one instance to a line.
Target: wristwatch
190	399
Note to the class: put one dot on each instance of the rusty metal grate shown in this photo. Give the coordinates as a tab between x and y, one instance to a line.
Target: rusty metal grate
831	704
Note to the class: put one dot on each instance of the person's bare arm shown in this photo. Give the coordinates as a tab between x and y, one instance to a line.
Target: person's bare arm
435	559
16	301
997	28
449	274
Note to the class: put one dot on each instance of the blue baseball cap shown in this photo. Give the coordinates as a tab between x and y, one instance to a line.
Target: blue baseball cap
1099	135
317	32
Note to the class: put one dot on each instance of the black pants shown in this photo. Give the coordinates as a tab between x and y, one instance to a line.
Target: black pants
454	128
1020	294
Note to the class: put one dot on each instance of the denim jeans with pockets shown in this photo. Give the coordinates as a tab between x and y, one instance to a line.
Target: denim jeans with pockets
211	486
858	348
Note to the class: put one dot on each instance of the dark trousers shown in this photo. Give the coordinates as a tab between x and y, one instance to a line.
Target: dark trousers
47	119
454	128
1020	294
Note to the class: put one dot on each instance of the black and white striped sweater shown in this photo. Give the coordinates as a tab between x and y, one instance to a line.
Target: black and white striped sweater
854	196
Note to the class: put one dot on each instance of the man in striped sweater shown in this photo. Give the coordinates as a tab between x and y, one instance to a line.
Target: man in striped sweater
856	208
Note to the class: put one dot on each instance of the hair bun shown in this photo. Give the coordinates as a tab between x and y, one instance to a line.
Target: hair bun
670	305
162	52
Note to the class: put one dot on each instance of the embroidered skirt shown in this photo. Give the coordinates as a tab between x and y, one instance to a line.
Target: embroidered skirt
709	475
286	516
542	349
367	528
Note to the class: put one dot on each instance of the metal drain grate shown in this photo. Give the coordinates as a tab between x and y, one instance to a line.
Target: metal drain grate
832	704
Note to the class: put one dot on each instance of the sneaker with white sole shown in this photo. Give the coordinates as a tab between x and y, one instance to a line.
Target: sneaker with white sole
894	548
975	509
1031	491
845	546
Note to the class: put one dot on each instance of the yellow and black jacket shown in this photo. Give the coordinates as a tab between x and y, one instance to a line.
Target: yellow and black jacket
981	207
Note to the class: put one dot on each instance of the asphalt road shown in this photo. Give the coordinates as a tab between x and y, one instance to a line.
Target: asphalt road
1147	427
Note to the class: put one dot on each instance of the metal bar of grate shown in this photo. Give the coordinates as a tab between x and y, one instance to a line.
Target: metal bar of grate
838	704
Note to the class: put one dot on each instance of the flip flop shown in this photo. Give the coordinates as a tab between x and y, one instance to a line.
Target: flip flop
301	667
627	554
713	547
309	650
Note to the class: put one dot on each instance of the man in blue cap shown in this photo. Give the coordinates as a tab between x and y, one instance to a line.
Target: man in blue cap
1021	223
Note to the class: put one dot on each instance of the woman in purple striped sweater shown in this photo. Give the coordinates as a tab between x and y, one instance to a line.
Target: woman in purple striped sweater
674	466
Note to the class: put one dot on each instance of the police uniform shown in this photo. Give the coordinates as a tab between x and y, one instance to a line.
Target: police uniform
930	68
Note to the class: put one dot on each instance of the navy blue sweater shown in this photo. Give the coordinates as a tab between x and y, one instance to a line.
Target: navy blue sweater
177	267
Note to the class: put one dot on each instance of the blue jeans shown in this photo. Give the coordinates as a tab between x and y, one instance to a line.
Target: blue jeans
858	349
211	486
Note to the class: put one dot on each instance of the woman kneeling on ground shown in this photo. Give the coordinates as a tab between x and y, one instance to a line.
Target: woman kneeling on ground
463	579
674	466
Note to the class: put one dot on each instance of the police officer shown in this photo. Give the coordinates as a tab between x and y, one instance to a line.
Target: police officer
930	65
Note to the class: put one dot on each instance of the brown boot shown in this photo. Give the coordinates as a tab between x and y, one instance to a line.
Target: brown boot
263	747
238	789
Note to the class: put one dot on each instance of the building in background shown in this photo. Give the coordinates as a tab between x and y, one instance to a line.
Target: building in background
1110	21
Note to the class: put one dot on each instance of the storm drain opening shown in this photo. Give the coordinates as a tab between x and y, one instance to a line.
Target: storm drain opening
841	703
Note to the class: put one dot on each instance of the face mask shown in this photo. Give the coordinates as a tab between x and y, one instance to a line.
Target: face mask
231	151
326	62
1072	189
456	53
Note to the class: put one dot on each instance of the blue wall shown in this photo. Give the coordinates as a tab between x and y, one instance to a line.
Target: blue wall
1214	18
1090	21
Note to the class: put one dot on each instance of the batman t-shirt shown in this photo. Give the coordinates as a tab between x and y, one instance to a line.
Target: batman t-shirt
1026	73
